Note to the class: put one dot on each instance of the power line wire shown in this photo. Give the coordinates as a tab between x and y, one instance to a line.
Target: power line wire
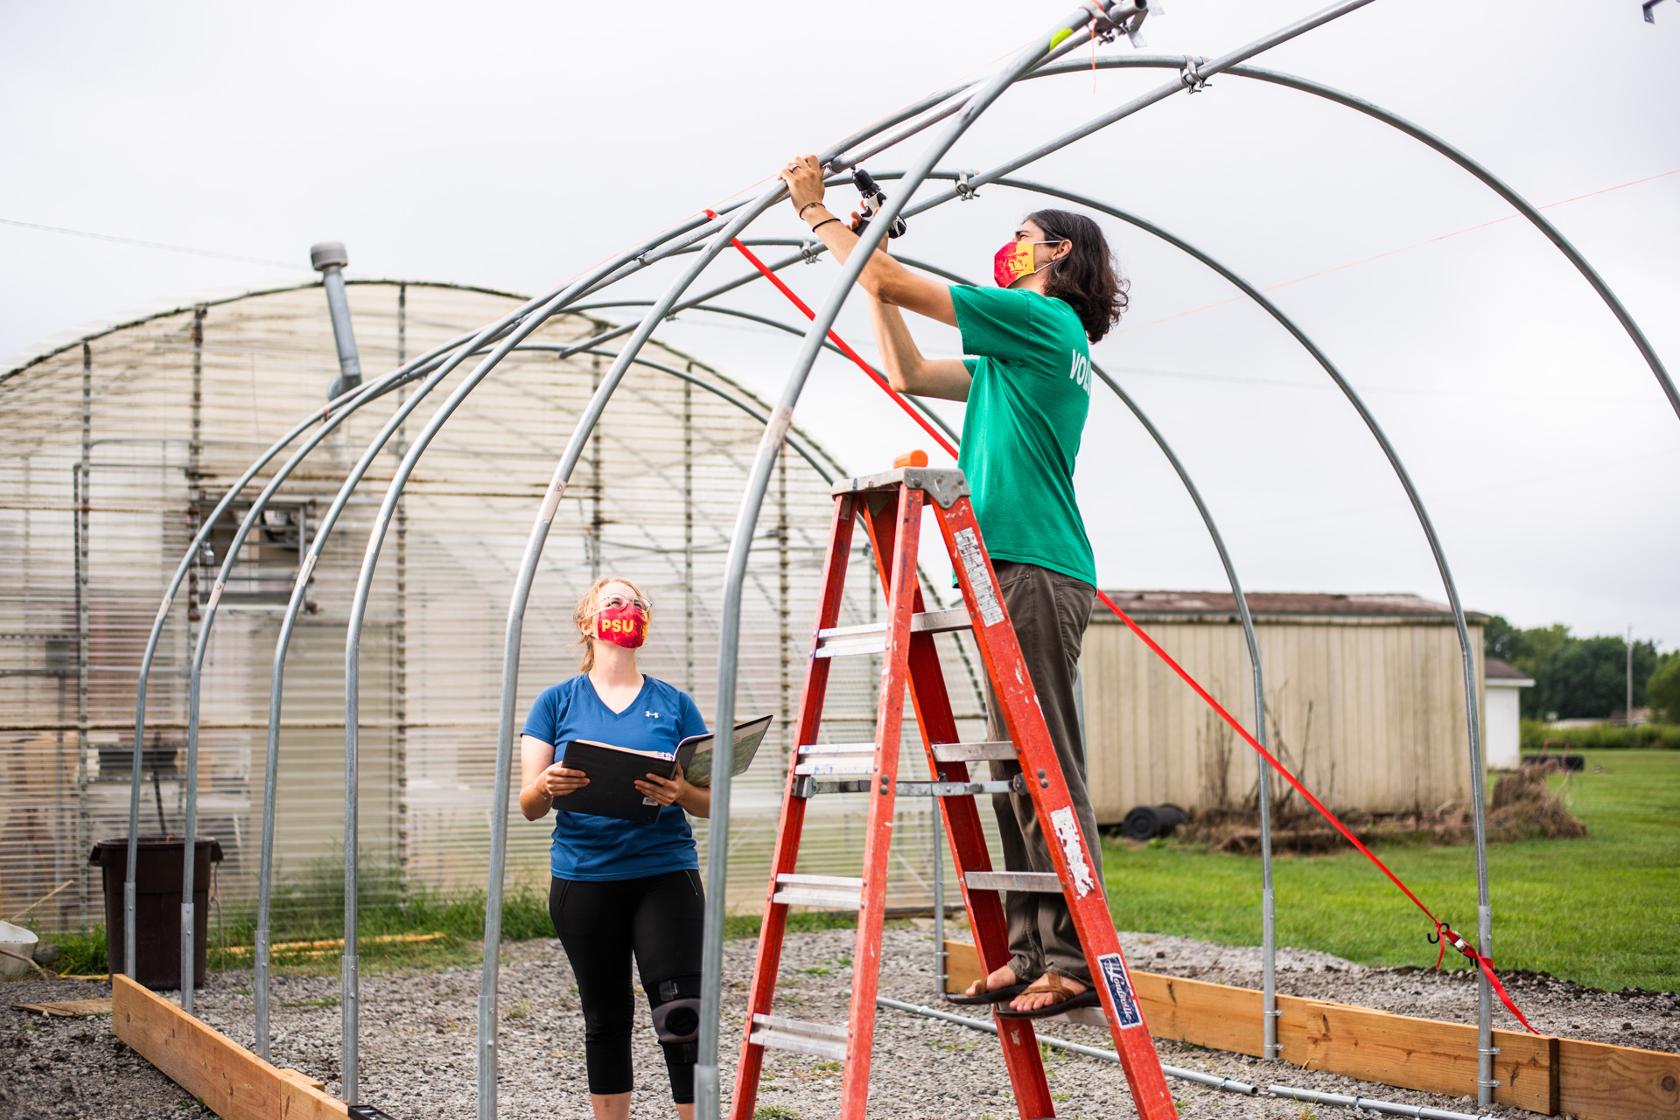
290	266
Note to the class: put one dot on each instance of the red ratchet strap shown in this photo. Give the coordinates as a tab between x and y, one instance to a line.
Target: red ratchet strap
1443	932
793	297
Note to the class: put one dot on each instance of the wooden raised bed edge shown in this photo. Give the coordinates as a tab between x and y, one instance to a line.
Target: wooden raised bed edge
231	1080
1589	1080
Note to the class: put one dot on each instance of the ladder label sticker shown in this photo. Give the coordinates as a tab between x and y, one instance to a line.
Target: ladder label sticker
1067	833
974	563
1120	988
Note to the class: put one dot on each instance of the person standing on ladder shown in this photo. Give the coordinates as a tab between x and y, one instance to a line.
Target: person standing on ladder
1027	385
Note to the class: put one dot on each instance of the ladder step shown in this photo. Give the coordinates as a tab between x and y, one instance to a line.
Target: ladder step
836	758
993	751
776	1033
958	789
808	749
871	637
1044	882
843	767
837	781
919	788
829	892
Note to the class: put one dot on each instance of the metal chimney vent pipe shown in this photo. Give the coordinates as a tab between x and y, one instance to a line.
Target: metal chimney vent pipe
329	259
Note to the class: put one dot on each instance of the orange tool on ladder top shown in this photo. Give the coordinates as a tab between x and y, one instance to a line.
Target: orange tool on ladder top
891	507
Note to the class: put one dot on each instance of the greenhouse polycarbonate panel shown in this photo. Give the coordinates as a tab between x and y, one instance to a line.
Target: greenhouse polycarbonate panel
176	407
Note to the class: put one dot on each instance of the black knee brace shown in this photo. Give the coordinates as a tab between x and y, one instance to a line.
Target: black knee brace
676	1013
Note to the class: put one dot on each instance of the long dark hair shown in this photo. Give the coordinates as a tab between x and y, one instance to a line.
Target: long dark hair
1088	278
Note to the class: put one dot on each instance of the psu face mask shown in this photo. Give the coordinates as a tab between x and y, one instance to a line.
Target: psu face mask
624	625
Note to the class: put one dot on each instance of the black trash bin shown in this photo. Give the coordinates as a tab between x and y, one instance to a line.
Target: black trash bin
157	906
1145	822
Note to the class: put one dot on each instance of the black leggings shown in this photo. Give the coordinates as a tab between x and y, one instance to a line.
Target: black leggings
600	924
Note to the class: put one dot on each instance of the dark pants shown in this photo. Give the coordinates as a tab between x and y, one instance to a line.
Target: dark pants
1050	612
600	925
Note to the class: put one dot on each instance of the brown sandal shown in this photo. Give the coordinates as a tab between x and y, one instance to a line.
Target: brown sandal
1063	998
978	994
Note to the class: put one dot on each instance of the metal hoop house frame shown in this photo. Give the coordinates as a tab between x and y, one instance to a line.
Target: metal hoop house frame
705	239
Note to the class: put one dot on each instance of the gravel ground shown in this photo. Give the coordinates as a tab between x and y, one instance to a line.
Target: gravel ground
418	1038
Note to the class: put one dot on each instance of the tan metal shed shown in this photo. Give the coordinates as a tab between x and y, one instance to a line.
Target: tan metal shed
1364	699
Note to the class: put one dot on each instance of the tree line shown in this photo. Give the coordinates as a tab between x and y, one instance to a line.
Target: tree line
1585	678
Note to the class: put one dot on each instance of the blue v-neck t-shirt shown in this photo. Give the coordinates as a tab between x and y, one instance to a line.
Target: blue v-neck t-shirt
596	849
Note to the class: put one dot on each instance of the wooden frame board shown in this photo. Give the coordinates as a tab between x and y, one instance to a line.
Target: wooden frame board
230	1080
1589	1080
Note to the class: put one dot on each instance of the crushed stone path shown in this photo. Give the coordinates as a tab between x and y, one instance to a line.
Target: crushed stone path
418	1050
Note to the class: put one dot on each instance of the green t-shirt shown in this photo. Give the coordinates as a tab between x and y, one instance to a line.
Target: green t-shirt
1026	412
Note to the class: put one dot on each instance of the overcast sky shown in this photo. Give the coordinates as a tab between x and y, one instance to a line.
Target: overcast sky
512	145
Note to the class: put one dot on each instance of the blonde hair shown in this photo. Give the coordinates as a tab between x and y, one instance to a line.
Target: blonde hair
590	603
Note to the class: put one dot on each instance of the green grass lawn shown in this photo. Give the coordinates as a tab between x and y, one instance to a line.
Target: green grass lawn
1603	911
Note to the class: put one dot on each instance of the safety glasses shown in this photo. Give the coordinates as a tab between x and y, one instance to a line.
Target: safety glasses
619	602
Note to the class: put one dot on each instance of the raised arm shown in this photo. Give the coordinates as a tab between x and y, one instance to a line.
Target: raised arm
906	369
883	278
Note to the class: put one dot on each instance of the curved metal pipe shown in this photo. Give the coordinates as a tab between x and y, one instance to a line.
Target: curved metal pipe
1417	132
787	328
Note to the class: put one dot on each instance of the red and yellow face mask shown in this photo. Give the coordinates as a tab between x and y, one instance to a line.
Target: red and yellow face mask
624	625
1014	261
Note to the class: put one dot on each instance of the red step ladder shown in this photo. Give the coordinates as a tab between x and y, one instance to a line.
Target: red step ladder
891	506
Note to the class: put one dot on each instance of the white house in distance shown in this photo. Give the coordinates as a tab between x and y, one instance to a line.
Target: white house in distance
1500	719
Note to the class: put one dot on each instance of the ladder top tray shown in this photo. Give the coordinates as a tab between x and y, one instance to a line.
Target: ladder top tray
943	484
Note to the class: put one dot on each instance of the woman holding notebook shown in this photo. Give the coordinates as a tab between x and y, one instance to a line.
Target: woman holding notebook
622	887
